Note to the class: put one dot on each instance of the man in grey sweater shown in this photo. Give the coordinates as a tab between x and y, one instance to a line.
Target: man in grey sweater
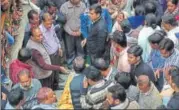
149	97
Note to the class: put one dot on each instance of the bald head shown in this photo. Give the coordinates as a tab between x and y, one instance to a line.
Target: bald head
36	34
143	79
143	83
46	16
46	96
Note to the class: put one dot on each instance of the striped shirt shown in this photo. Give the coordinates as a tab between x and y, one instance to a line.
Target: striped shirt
172	60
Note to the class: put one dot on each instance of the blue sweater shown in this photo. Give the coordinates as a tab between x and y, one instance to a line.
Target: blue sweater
86	22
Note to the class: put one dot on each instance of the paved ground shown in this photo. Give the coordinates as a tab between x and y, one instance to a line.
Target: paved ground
18	44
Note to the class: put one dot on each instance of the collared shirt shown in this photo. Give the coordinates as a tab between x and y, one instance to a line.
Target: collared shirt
151	99
50	40
156	59
35	86
172	60
171	35
72	14
144	43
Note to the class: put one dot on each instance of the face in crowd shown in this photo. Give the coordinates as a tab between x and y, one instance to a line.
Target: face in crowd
37	35
25	81
4	5
133	59
48	21
35	21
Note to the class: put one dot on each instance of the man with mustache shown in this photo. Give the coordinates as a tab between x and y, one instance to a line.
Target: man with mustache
29	86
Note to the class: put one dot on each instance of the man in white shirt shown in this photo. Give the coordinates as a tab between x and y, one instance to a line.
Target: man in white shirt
171	26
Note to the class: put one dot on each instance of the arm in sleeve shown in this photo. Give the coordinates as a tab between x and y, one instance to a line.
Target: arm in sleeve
3	104
37	57
64	12
108	20
84	25
83	102
114	28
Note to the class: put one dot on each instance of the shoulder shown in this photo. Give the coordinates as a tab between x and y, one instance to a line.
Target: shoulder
65	4
16	86
36	82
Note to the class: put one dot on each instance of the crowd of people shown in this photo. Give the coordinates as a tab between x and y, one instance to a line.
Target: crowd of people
118	54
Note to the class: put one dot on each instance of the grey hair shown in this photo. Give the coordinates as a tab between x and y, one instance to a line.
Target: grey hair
79	63
23	72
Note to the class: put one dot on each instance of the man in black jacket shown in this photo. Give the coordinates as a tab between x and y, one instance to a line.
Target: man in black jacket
97	34
138	67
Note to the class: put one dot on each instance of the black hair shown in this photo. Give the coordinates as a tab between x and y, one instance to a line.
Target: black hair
93	74
31	13
157	37
126	26
150	7
175	2
120	38
123	79
24	54
151	20
97	8
50	4
79	64
166	44
15	96
139	10
169	19
175	75
118	92
23	72
136	50
101	64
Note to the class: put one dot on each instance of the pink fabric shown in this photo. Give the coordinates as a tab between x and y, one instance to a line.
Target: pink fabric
15	67
120	60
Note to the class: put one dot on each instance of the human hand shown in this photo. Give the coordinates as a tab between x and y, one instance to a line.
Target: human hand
60	52
85	83
4	96
63	70
157	73
83	42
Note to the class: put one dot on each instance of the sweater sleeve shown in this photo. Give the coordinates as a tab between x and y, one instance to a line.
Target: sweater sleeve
84	28
37	57
108	20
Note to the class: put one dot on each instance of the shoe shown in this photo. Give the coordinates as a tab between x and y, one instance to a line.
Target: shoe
59	88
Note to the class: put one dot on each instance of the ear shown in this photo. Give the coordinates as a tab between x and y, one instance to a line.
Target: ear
138	58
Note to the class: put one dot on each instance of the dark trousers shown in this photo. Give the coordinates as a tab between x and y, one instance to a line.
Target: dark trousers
73	47
53	80
49	82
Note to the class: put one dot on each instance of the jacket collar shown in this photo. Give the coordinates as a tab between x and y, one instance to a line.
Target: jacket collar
123	105
70	5
150	90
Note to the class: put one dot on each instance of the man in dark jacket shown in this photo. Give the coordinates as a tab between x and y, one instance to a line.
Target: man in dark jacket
138	67
77	81
98	34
